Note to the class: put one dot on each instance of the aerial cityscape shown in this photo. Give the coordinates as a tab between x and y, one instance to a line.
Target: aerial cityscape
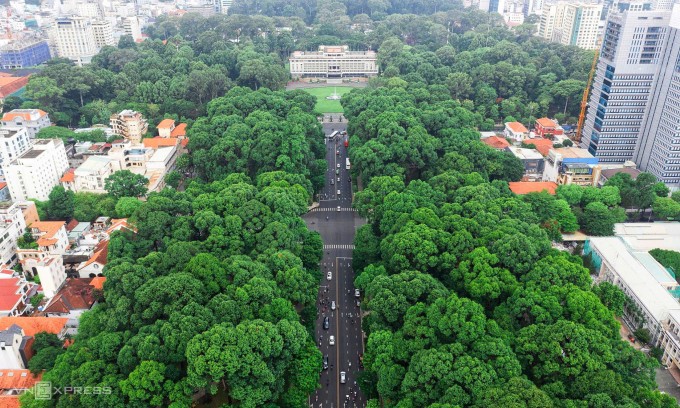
340	203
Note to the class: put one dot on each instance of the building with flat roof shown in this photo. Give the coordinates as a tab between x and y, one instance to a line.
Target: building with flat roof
531	159
37	171
624	261
632	47
12	225
129	124
75	40
14	141
91	175
20	54
571	165
657	150
333	61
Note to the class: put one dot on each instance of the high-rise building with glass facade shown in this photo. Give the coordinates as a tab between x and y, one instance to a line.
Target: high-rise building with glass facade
634	42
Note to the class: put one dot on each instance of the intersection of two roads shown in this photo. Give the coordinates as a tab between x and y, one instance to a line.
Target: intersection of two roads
337	229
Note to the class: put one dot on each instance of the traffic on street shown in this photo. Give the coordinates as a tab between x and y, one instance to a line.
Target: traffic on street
338	327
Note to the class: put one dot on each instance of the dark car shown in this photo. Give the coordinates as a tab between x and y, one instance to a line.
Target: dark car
326	323
325	362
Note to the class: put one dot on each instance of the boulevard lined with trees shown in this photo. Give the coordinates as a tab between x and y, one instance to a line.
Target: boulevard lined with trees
467	303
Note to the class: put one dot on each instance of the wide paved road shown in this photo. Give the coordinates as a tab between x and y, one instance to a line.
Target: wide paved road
337	233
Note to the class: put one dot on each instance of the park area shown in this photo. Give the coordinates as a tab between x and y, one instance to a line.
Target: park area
324	105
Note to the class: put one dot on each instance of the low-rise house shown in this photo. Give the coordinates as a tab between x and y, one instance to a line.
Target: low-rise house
92	174
129	124
628	168
515	131
571	165
34	325
17	335
48	267
547	128
75	298
50	236
531	159
13	383
168	129
496	142
31	119
15	292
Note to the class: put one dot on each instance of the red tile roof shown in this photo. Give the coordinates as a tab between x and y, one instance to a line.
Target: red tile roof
184	142
118	224
2	185
17	380
34	325
542	145
8	293
156	142
69	176
526	187
179	131
496	142
71	225
9	401
517	127
49	229
546	123
24	115
99	255
10	85
75	295
98	282
166	124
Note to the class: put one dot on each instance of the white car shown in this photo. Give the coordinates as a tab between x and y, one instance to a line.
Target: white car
332	304
338	165
338	208
357	293
331	340
329	275
343	377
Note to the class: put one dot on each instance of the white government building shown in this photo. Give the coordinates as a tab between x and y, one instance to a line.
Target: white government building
624	260
333	61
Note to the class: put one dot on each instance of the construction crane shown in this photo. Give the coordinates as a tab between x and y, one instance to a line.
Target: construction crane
584	100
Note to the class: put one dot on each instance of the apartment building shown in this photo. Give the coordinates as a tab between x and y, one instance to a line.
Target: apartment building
92	174
14	141
658	150
75	39
577	25
103	34
31	119
24	54
12	225
631	52
333	62
129	124
132	27
33	174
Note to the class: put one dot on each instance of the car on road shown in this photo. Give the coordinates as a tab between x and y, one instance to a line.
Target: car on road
337	171
329	275
332	182
339	192
326	323
343	377
358	303
338	179
325	362
332	304
338	208
356	292
331	340
337	152
338	166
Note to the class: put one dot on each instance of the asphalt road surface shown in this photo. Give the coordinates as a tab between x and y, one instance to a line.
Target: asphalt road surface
337	229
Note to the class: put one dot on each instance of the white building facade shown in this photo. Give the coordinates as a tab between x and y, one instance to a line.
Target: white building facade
37	171
31	119
14	142
75	39
333	62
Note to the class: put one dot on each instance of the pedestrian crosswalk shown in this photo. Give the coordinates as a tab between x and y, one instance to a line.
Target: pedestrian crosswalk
338	247
332	209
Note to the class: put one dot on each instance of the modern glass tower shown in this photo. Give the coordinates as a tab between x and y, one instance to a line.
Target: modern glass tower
658	150
631	52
